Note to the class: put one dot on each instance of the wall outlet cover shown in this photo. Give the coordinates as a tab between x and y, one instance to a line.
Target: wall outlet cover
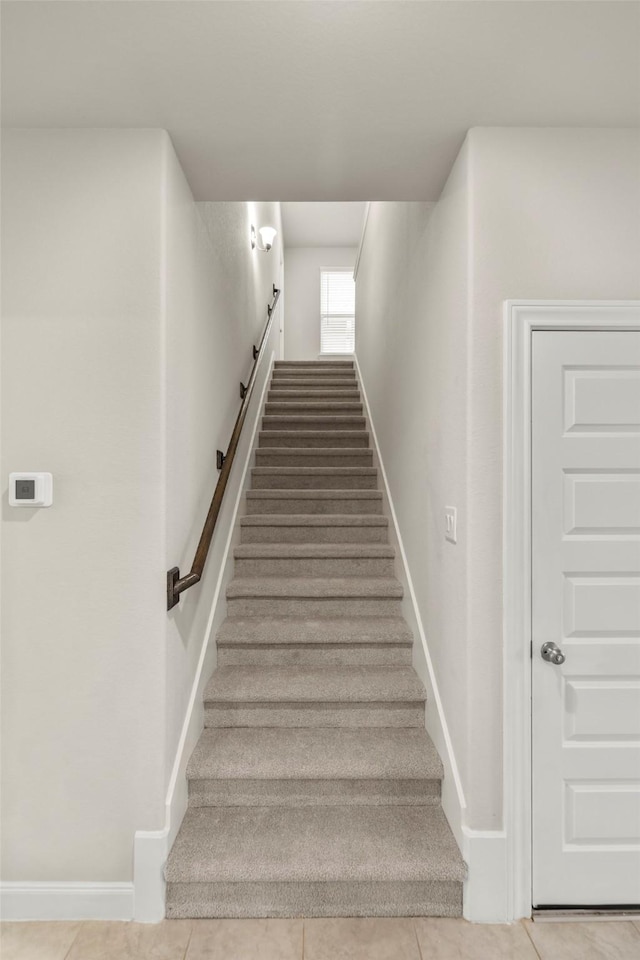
451	524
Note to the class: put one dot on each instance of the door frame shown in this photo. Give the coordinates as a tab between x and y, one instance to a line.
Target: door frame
521	319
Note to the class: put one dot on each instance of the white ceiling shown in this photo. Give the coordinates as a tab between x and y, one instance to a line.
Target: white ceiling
319	100
333	224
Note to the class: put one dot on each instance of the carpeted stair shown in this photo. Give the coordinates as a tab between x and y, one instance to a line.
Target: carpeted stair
314	789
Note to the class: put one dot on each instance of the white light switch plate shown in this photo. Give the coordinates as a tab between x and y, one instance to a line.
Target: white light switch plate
451	524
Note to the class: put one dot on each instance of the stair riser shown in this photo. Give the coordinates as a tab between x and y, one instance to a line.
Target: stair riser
314	399
330	360
285	481
317	409
314	567
312	368
313	396
312	607
304	534
325	383
270	458
330	363
312	793
308	423
311	438
353	899
314	714
313	373
355	507
348	655
322	390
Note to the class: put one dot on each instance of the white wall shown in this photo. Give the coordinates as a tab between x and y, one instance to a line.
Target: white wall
83	619
218	289
411	294
302	268
127	325
526	213
554	214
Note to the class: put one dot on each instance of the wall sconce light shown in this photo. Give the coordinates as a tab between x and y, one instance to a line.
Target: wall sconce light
267	236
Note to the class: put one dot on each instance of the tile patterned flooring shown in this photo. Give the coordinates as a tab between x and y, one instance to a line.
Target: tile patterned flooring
428	939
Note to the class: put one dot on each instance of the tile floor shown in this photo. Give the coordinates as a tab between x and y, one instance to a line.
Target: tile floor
320	940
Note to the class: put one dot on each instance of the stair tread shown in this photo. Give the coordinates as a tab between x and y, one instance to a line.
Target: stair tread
315	370
240	844
321	550
300	684
314	520
339	587
289	753
310	381
326	393
312	366
307	419
329	362
313	405
290	399
317	452
305	494
314	471
240	631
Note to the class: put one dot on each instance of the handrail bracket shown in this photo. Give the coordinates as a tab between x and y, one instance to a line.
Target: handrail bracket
173	598
177	584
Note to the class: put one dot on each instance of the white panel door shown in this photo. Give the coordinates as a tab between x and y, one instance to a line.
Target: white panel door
586	600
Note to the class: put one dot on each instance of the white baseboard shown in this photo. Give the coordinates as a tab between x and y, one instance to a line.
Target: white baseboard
486	895
151	848
66	901
150	852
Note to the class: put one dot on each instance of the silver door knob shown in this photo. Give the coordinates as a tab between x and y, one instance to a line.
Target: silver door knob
552	653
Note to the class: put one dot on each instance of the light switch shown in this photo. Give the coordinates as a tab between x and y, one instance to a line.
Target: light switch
30	489
450	524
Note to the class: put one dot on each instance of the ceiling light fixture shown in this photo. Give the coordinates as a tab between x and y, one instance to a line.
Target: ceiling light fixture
267	236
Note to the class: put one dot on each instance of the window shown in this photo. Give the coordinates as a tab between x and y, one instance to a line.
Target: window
337	311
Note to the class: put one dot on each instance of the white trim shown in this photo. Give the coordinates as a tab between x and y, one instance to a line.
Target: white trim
362	236
521	318
66	901
486	895
453	800
151	847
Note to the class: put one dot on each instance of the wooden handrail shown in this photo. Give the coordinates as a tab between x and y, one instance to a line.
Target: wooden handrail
175	583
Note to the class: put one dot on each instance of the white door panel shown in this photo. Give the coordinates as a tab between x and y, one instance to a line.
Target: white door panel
586	599
602	503
598	400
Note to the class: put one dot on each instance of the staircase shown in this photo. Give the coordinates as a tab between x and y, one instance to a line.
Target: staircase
314	789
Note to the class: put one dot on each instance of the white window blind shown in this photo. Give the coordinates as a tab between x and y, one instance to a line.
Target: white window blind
337	311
